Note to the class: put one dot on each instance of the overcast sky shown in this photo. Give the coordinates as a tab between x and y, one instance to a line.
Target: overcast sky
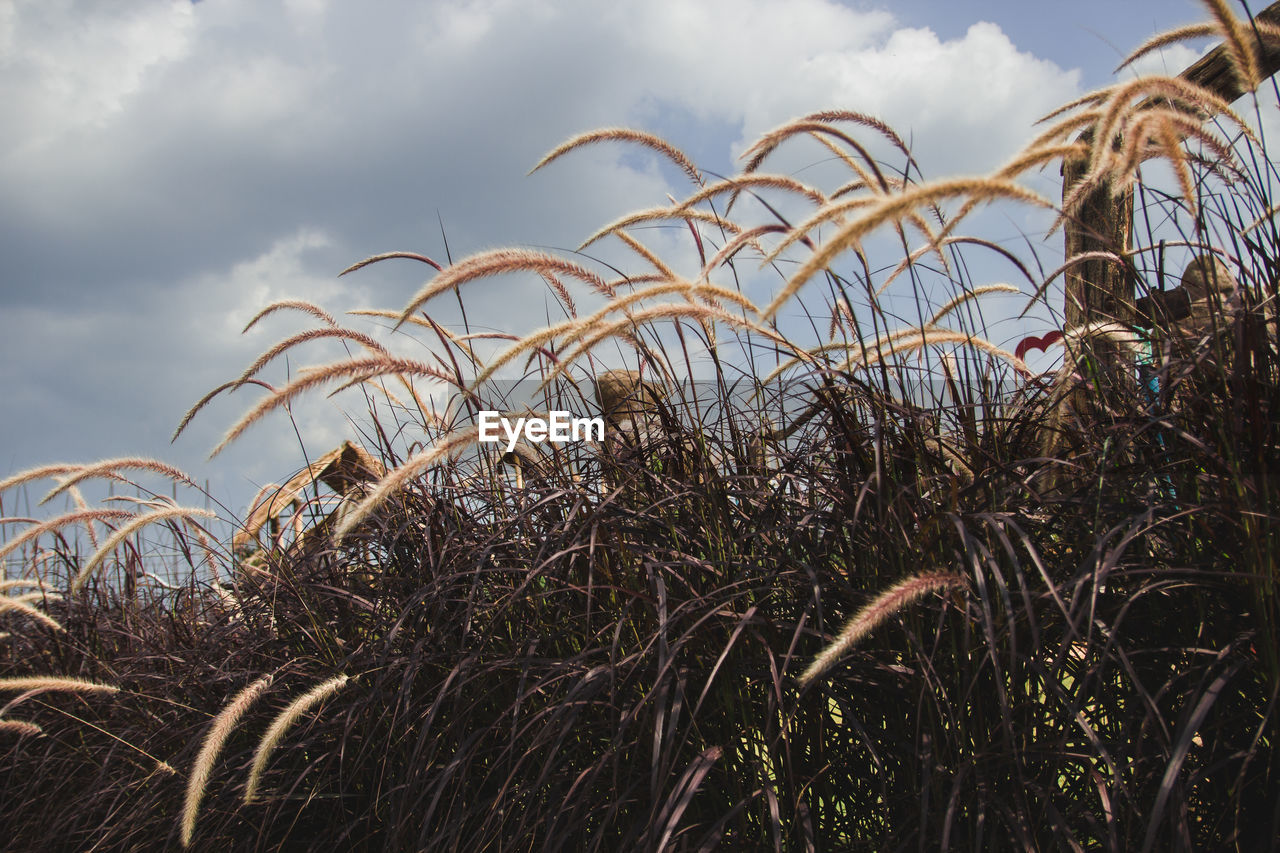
168	169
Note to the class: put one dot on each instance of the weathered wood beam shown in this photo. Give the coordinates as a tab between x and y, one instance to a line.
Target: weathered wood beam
1215	72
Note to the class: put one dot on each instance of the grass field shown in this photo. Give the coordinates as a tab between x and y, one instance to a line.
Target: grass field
853	580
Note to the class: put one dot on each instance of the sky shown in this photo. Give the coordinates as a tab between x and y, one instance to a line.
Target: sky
167	169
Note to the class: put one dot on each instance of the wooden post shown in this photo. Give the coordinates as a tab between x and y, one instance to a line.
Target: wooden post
1099	291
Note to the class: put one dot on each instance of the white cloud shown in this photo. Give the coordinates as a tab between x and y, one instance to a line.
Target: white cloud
170	168
69	65
965	104
307	15
279	273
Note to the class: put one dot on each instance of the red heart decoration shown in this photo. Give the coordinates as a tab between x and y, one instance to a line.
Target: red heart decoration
1032	342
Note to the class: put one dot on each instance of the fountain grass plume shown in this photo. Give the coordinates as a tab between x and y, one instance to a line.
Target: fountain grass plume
356	368
12	583
767	144
891	208
19	606
962	298
671	310
40	472
874	614
1167	38
112	467
26	683
576	329
738	183
281	724
291	305
311	335
398	478
137	523
659	266
620	134
1238	40
657	214
21	728
223	724
495	262
34	531
386	256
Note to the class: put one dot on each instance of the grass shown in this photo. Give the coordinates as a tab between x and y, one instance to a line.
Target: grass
853	581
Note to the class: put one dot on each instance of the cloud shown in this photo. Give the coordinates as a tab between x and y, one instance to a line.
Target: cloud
116	380
70	66
169	168
966	103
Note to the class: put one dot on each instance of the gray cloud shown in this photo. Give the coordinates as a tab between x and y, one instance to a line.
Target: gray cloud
168	169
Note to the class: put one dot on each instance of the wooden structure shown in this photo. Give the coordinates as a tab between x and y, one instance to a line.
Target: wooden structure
628	403
347	470
1100	290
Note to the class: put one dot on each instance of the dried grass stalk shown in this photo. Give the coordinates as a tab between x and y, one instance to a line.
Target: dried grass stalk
295	305
1040	156
222	727
82	504
311	335
972	294
207	398
767	144
874	614
1120	111
671	310
916	254
41	472
933	337
386	256
55	682
645	252
659	213
29	597
562	293
21	728
497	262
1191	31
893	208
112	468
751	181
356	368
398	478
575	330
77	517
186	513
1239	42
10	583
622	134
865	120
281	724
